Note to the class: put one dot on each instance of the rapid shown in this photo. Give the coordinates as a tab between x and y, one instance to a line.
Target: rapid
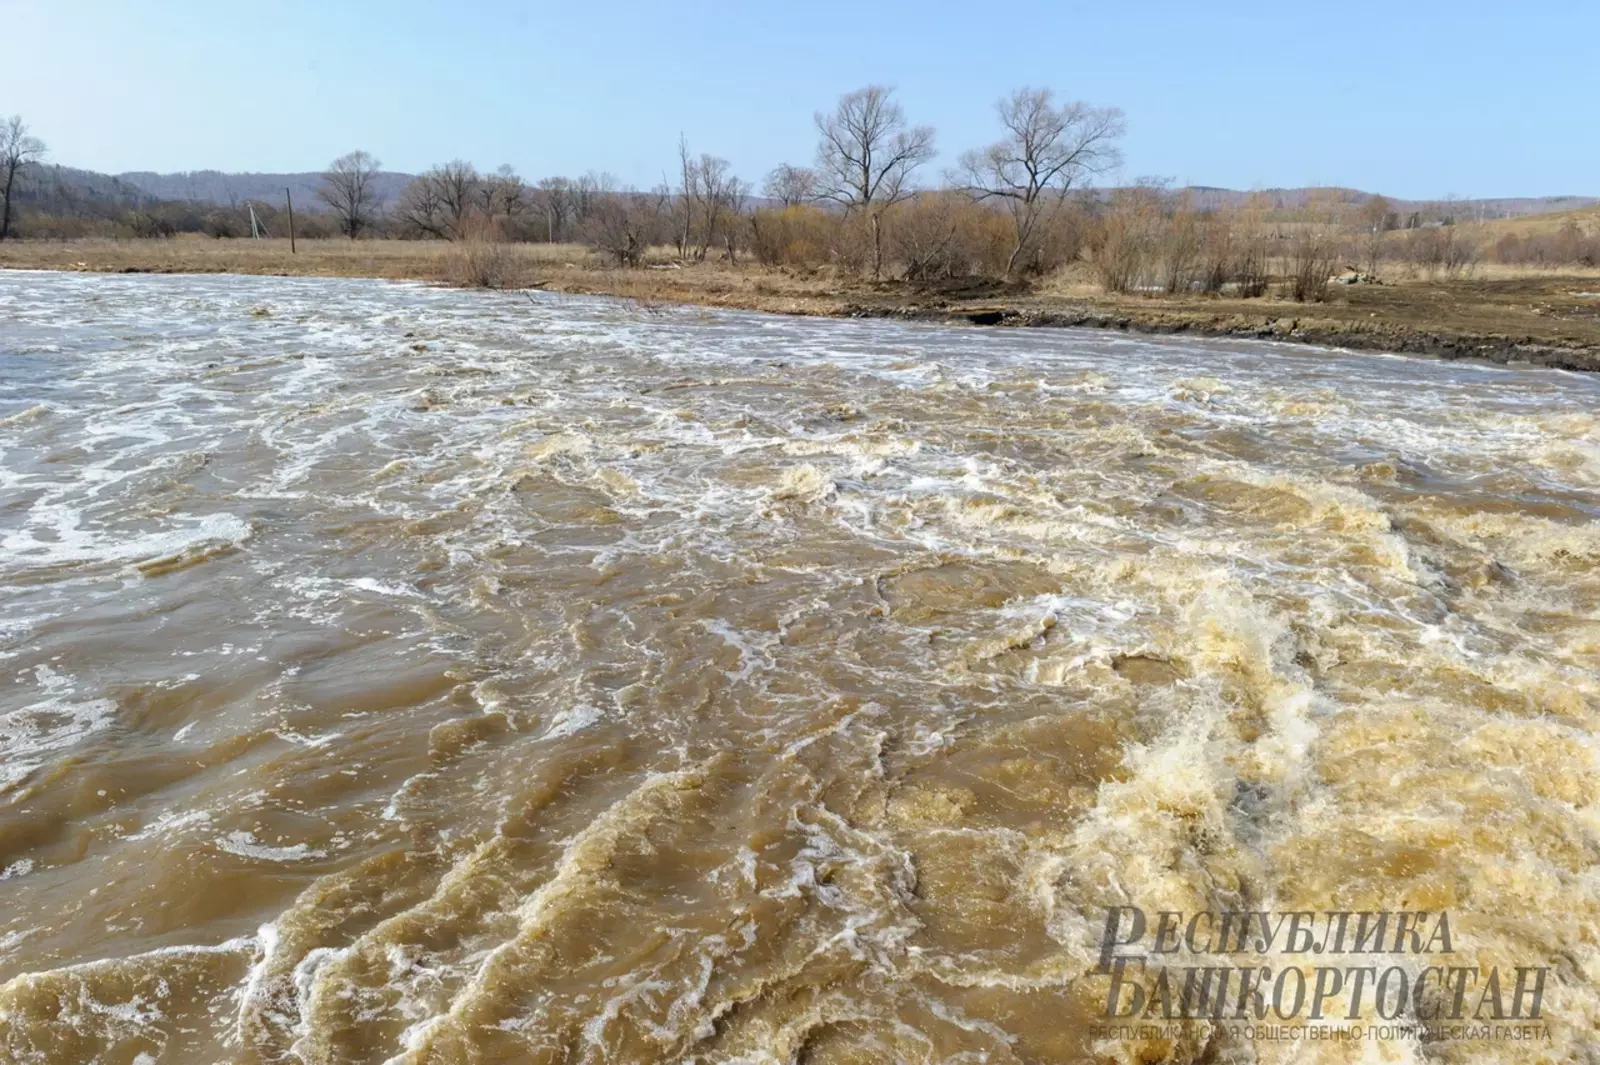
397	674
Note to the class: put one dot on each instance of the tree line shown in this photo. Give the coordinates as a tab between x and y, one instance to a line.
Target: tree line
843	206
1021	207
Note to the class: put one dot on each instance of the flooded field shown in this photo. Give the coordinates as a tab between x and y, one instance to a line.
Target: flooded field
391	674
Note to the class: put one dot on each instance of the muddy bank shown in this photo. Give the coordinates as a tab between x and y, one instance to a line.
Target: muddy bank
1498	349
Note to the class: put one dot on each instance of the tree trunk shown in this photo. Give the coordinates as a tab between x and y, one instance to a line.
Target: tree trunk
5	219
877	247
1024	224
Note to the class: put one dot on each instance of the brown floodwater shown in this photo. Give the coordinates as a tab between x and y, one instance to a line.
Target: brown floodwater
391	674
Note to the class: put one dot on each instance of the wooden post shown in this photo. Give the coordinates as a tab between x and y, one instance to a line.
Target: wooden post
290	200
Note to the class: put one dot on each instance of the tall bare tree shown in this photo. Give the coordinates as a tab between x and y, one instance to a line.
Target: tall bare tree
684	204
420	210
735	197
867	155
791	185
349	187
17	148
1045	152
458	183
716	194
438	202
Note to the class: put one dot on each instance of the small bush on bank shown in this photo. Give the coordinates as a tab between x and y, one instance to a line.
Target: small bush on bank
480	259
1312	261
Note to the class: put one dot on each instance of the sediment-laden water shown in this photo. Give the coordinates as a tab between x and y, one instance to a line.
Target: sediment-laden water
397	674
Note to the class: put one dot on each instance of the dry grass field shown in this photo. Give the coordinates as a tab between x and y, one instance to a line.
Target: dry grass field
191	253
1501	312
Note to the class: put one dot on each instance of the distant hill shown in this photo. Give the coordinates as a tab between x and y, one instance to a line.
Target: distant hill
93	193
63	192
50	183
1586	218
232	190
1463	210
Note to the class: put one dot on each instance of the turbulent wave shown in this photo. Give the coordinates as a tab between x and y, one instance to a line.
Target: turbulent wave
416	676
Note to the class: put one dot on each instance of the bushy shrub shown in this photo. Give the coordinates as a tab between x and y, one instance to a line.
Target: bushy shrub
938	235
480	259
798	236
1123	246
1442	250
1313	257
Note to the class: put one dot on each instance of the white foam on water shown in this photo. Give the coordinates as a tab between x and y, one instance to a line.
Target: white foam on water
171	822
33	734
70	544
616	524
244	844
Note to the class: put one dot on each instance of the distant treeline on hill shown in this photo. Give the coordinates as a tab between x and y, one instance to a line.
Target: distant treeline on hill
218	189
63	202
871	203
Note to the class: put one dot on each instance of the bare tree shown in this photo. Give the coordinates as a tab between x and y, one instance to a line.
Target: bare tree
716	193
349	188
438	202
791	186
1045	152
625	224
701	206
688	192
553	199
420	209
17	148
735	196
867	155
588	191
503	194
457	183
1377	217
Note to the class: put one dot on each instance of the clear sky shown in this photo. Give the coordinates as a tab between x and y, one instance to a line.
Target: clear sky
1414	98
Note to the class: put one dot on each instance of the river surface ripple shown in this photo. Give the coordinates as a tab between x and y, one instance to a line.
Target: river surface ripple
397	674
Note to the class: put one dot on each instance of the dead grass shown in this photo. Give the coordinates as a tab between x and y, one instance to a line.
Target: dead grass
1524	272
189	254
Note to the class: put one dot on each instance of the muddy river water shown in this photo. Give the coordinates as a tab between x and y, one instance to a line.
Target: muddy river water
392	674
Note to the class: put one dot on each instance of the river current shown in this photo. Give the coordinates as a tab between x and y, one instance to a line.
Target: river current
396	674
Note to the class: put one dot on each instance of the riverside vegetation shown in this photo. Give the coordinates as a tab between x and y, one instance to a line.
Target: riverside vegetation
1014	233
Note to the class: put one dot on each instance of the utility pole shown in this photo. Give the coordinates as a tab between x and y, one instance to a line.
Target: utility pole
290	201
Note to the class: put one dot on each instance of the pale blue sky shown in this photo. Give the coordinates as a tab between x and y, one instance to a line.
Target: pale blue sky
1416	99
